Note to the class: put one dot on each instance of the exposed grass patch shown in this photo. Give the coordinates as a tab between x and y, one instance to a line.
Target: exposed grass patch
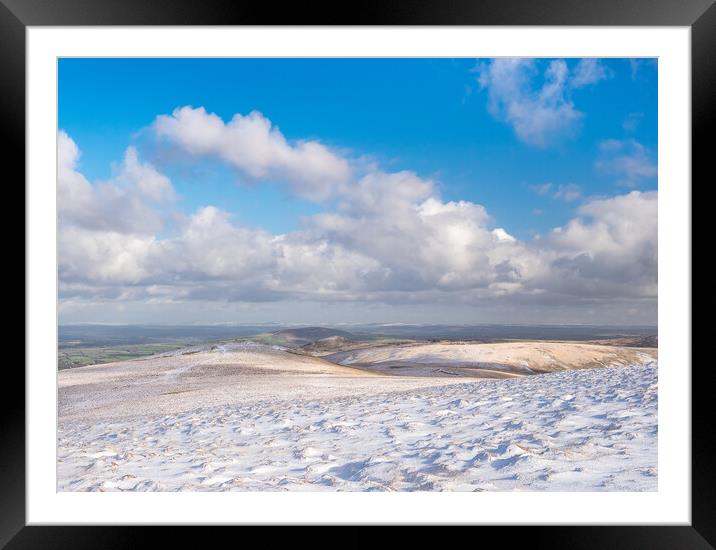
68	358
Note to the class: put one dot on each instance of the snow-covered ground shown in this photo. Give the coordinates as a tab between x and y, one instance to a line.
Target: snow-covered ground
578	430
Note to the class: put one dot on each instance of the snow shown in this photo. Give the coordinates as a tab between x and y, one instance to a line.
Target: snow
509	358
579	430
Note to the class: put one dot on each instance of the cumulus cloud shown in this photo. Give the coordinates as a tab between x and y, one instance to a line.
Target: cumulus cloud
390	233
103	257
252	145
609	250
117	205
503	236
106	230
147	180
389	238
539	115
628	159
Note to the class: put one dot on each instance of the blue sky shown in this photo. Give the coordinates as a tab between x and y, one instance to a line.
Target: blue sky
424	115
459	123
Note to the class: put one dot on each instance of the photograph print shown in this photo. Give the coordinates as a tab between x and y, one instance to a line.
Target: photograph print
359	274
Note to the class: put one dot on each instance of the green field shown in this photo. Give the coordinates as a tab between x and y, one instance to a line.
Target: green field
71	357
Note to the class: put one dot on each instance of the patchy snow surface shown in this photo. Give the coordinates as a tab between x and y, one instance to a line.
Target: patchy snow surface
581	430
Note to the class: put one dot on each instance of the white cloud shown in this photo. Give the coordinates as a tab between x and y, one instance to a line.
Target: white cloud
609	250
106	231
145	177
254	146
569	192
628	159
636	64
117	205
103	257
539	115
632	121
503	236
391	238
588	71
420	240
542	189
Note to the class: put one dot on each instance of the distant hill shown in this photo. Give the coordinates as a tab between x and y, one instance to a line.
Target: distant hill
296	337
311	334
632	341
332	343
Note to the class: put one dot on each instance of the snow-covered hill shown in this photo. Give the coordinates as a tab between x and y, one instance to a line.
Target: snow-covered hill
580	430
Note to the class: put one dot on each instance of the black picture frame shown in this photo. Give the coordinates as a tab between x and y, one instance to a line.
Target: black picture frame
16	15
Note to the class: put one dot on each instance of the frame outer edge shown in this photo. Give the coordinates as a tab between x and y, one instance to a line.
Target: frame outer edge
12	95
363	12
703	91
12	129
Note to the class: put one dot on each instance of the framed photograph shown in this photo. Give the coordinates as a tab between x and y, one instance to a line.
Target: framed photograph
425	266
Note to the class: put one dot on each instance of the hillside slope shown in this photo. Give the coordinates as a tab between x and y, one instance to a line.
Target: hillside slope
500	360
